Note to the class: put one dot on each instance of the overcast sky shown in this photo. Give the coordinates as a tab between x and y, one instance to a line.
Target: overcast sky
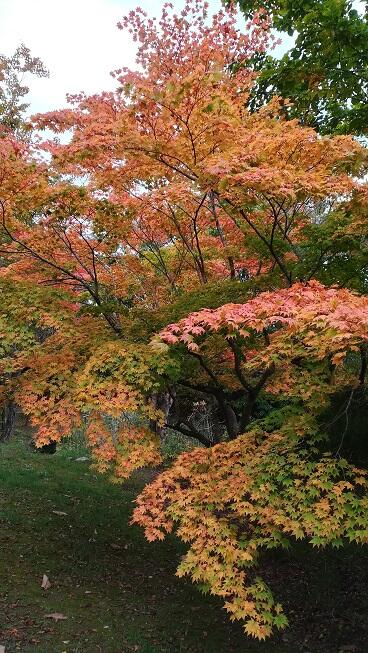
77	40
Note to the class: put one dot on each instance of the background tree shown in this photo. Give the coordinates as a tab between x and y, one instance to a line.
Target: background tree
325	71
13	70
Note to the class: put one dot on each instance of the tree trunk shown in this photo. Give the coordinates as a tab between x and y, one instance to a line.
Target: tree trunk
7	418
163	401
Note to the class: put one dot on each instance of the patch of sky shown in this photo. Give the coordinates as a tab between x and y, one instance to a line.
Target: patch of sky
79	43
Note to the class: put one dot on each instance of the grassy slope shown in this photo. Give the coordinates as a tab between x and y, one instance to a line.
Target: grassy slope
120	593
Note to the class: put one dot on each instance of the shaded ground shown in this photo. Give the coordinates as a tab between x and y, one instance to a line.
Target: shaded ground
119	593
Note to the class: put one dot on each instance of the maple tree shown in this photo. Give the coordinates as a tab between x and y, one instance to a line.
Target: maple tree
179	251
273	483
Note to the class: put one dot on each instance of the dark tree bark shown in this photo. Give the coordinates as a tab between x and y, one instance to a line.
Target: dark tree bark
7	419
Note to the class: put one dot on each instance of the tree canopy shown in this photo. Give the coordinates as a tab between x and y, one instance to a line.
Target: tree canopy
325	71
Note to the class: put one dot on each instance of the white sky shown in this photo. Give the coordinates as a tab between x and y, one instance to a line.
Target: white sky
77	40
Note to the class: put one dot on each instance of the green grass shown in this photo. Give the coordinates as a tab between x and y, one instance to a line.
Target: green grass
119	593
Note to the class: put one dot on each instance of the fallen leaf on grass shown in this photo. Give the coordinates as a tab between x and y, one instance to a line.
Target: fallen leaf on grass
45	582
59	512
56	616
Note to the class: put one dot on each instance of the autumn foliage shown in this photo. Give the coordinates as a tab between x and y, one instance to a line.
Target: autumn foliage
177	249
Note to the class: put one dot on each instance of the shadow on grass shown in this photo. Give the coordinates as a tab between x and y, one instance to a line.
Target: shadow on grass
119	593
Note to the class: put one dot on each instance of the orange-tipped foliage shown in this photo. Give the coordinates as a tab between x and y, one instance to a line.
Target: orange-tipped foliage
260	491
271	484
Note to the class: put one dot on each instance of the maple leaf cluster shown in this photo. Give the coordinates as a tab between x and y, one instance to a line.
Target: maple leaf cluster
260	491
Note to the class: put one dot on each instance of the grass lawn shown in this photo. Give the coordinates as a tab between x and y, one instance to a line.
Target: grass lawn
119	593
